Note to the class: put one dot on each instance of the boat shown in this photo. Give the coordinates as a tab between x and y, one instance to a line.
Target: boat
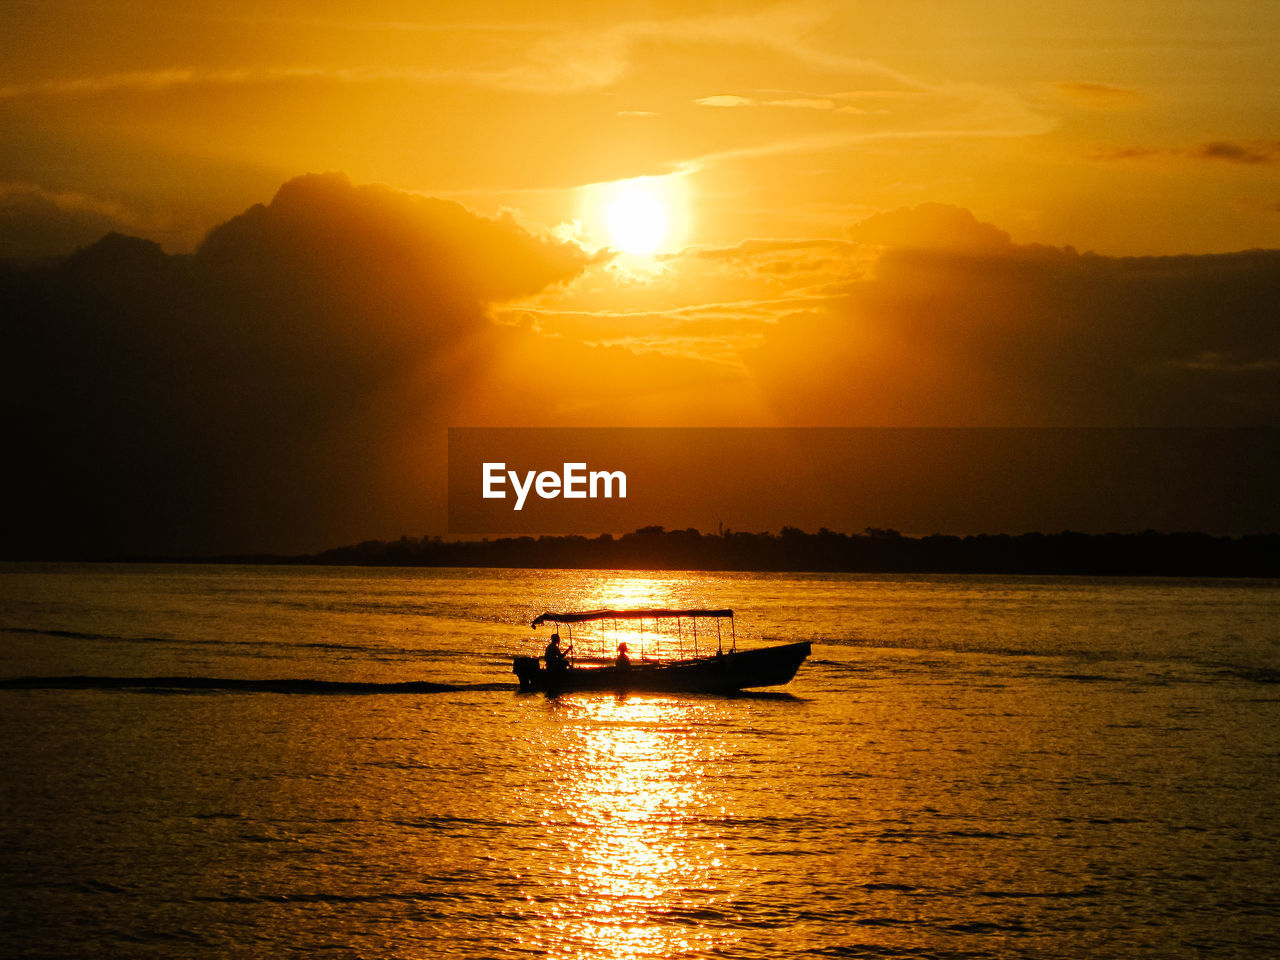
725	671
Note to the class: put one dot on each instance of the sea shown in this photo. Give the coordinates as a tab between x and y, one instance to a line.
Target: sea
965	767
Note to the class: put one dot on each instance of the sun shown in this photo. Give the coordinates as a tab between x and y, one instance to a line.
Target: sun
640	217
637	217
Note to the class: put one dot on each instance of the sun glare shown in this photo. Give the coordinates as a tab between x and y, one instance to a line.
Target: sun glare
639	217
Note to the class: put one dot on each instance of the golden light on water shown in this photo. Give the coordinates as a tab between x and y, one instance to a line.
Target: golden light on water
634	790
650	638
636	593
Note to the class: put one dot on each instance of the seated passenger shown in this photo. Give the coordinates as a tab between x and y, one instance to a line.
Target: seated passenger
623	662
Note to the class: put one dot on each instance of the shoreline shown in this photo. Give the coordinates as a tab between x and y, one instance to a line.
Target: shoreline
1147	554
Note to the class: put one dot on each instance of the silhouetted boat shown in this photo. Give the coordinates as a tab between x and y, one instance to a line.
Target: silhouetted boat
725	671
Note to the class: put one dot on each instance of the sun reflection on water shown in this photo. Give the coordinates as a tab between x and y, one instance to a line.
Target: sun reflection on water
651	638
635	592
632	801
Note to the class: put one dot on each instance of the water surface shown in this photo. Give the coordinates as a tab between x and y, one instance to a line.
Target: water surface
966	767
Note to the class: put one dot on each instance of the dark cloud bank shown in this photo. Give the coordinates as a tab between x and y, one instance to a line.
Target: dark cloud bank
261	393
287	386
969	328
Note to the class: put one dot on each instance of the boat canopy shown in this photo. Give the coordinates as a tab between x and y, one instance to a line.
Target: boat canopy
624	615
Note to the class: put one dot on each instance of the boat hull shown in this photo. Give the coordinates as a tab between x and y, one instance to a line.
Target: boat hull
723	673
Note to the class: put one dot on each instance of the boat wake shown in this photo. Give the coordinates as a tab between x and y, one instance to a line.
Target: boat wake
283	685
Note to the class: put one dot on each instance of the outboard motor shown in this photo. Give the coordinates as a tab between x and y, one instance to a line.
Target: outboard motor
527	670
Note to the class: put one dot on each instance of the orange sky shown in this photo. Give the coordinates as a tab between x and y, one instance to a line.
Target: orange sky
641	213
1123	127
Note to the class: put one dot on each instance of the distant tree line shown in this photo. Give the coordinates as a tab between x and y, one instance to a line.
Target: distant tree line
874	551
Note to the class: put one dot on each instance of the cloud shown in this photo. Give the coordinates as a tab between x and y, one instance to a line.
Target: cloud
1098	96
779	255
932	226
558	65
35	222
825	104
806	103
543	57
1129	153
958	325
725	101
1248	152
930	316
917	111
154	81
288	385
273	390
